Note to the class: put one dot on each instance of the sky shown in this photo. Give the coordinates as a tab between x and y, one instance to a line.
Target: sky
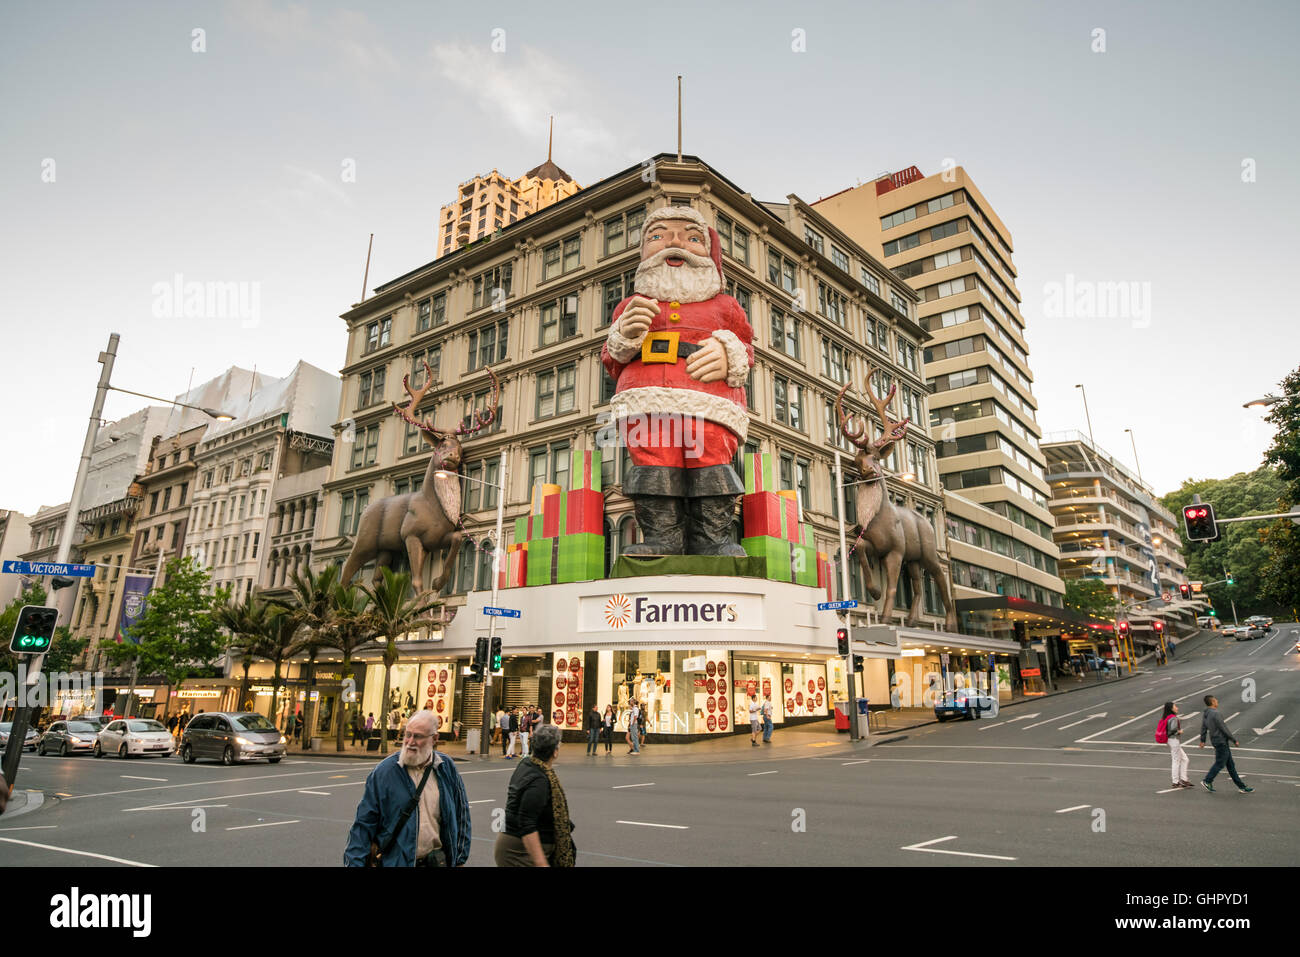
1145	148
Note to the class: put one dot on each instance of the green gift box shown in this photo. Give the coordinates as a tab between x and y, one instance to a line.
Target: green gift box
803	563
584	470
775	551
760	475
581	557
541	561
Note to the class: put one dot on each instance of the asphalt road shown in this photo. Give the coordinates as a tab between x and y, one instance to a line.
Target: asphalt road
1075	779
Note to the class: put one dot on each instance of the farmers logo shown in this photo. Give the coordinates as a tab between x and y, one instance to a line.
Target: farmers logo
618	611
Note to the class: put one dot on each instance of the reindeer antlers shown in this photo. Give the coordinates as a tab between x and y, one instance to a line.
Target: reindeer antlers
480	419
893	429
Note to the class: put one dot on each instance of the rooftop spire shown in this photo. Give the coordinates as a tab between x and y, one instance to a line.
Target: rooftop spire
550	139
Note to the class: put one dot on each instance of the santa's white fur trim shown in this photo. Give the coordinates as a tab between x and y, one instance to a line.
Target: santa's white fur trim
737	357
679	212
663	400
621	348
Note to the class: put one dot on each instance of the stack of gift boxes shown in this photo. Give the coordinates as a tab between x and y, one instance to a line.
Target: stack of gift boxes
562	539
774	530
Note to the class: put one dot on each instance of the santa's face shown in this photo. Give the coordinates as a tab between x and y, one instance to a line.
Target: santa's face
675	263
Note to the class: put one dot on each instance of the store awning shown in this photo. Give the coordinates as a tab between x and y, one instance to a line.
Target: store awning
1005	611
889	641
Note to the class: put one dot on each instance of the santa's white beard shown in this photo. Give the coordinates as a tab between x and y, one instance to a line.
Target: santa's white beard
697	280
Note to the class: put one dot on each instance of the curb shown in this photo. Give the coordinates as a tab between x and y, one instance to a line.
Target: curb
22	802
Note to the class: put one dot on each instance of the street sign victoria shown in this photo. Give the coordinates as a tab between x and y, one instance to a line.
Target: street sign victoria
492	612
837	605
48	568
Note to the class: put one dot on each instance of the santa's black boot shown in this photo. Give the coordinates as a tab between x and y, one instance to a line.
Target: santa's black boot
662	520
709	526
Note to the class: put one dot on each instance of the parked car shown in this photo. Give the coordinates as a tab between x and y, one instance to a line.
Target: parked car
68	737
29	740
231	736
129	736
962	703
1247	632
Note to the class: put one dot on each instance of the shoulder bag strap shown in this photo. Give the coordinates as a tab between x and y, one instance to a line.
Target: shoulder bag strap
406	813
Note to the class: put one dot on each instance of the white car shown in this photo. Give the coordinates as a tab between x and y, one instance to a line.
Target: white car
126	737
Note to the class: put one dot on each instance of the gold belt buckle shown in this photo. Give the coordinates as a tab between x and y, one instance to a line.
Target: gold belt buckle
660	347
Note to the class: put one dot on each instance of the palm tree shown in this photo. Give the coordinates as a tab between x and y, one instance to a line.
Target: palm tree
246	622
354	626
395	614
310	607
277	645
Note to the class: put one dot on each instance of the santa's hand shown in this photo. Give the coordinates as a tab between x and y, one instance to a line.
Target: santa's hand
634	322
709	364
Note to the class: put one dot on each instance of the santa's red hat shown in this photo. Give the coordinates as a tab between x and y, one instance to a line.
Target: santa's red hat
692	216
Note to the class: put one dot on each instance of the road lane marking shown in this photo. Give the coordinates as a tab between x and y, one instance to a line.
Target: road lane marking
227	797
245	827
1066	715
1095	734
925	848
35	827
757	774
1233	717
847	763
1148	744
674	827
136	777
619	787
485	801
321	793
1171	790
999	724
1082	720
1163	766
1077	807
1268	728
197	784
1265	696
68	850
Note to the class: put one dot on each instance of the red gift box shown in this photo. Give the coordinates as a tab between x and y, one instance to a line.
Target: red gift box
585	512
771	514
514	571
550	515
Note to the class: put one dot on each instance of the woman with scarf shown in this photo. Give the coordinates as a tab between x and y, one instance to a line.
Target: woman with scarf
607	728
538	831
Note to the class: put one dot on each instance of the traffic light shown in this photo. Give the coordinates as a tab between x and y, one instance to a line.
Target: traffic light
34	630
1185	590
1122	628
1200	523
1159	626
842	640
857	662
496	654
477	666
1231	580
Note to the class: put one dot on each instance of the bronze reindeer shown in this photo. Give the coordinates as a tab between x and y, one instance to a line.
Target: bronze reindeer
425	521
897	536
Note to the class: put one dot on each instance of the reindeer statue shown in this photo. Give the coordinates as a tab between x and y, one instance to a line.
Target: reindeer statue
425	521
897	536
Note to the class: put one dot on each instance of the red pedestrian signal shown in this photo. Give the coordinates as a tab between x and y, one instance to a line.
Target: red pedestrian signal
1199	520
1185	590
1159	626
842	640
1122	628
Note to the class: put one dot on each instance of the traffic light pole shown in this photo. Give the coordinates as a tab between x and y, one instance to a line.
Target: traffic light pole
23	716
844	584
485	750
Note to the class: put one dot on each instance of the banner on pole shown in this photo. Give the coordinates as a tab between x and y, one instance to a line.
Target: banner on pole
134	591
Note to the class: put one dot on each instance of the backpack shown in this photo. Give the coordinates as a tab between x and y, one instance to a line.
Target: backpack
1162	731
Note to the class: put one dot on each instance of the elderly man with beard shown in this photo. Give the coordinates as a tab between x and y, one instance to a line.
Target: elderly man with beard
435	831
679	351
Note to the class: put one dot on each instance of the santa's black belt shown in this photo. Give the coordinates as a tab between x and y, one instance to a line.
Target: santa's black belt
666	347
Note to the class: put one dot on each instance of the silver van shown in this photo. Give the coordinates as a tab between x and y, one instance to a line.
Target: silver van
231	736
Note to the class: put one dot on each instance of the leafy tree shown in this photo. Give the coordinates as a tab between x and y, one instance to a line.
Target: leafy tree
178	635
246	622
276	644
1282	539
1239	549
1089	596
64	648
310	606
395	615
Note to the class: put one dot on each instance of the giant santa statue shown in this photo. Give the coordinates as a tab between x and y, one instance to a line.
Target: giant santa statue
679	351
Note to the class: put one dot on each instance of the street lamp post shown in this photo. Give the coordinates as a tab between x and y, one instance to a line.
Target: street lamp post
1135	455
1086	414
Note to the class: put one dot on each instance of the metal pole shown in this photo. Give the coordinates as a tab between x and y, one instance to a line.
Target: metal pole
1087	414
844	585
484	747
1135	455
679	117
23	715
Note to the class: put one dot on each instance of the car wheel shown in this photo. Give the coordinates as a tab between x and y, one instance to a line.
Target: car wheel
228	756
941	718
272	760
122	752
63	749
97	751
40	749
187	754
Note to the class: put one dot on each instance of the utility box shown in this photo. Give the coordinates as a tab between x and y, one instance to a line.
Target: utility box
472	738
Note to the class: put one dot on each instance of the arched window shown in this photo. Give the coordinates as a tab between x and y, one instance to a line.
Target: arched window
465	569
611	547
628	533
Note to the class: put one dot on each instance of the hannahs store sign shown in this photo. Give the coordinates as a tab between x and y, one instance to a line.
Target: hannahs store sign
657	611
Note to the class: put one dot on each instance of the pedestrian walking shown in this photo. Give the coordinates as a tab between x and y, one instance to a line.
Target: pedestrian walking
755	718
1170	731
525	729
643	710
513	732
414	811
607	728
593	729
503	729
455	728
370	723
767	719
538	831
1212	724
355	725
633	729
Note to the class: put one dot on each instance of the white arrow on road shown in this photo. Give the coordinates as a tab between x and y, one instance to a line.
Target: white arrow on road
1023	717
1082	720
1268	728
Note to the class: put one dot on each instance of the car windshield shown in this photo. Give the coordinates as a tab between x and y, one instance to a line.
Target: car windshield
85	727
253	722
138	726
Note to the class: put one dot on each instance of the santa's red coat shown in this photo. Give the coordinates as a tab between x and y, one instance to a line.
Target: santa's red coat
664	387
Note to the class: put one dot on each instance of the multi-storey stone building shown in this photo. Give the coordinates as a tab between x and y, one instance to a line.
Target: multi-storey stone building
535	304
15	537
